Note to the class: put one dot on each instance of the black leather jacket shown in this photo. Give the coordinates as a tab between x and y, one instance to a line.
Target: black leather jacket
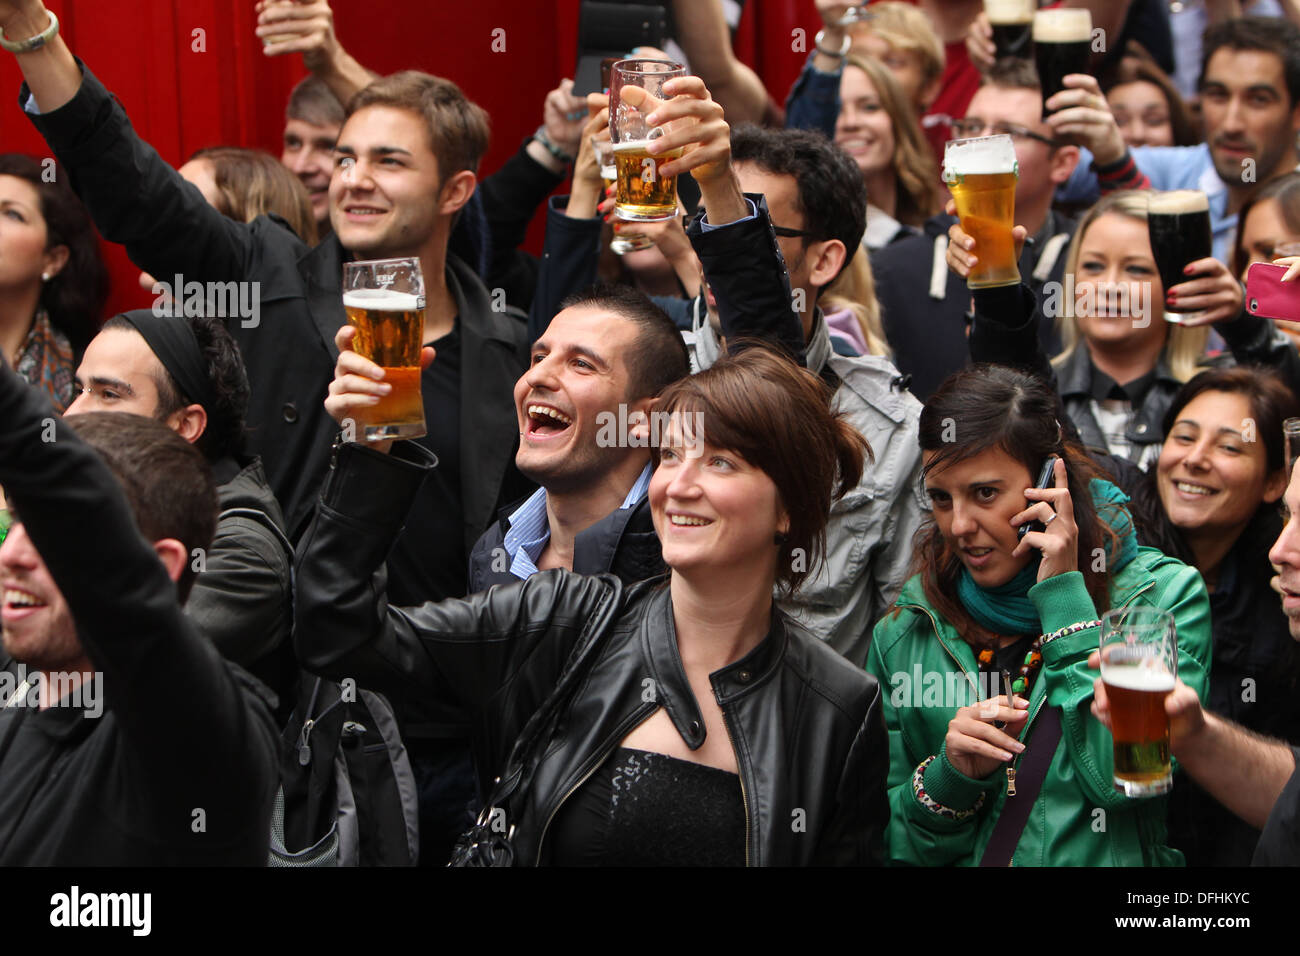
806	726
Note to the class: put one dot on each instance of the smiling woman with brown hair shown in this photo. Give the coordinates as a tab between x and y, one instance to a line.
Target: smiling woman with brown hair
683	721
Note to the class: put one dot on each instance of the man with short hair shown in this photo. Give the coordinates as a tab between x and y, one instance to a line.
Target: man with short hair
1250	102
312	120
923	306
406	164
242	600
818	215
132	742
584	407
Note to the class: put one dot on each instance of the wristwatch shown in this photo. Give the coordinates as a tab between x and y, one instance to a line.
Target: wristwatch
32	43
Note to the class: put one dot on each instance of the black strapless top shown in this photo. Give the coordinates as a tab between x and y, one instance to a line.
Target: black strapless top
649	809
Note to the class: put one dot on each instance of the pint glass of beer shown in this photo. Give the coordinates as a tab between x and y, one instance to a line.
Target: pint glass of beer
1062	45
625	242
981	175
1179	225
384	299
1139	664
643	194
1012	22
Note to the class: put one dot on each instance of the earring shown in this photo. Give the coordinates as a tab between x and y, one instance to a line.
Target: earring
45	277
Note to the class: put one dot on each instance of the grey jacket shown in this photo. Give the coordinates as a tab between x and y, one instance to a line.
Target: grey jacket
869	536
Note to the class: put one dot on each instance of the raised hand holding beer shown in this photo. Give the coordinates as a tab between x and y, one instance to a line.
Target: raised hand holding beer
359	386
384	300
1081	115
981	173
960	256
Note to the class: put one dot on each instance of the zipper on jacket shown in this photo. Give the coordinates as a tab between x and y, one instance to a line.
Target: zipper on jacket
744	794
638	717
944	644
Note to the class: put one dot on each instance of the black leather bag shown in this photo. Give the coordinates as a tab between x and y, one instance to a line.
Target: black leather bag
490	841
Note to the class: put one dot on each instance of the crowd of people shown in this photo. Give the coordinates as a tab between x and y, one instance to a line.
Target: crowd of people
238	629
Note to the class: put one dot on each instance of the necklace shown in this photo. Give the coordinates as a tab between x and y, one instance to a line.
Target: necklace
1028	670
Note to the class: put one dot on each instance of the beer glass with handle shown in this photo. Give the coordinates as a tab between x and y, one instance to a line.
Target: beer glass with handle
981	174
1139	665
643	194
384	299
1178	223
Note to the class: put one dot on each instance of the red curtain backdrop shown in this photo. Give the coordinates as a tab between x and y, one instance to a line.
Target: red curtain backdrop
191	73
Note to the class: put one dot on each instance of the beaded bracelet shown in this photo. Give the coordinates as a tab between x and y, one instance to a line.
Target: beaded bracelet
933	805
550	147
1066	631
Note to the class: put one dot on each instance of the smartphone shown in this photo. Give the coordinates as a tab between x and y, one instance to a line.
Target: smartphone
609	31
1269	296
1046	479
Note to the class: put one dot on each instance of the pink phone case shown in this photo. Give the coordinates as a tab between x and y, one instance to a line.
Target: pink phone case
1269	296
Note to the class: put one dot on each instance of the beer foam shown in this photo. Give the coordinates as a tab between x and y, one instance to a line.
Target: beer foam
1178	202
383	300
1062	26
638	144
1138	678
982	156
1009	11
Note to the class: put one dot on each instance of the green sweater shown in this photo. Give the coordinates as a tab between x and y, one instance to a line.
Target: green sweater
926	672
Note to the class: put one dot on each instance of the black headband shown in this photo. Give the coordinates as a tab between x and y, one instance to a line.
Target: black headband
173	342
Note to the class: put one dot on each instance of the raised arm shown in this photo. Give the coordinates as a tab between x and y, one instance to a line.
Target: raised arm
134	197
189	729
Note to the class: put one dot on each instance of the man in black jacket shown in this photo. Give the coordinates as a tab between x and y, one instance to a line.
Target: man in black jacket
187	373
181	765
400	180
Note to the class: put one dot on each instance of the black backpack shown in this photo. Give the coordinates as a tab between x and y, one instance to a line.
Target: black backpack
347	794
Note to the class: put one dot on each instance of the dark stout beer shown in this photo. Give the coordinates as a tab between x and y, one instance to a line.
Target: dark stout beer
1062	45
1179	226
1012	22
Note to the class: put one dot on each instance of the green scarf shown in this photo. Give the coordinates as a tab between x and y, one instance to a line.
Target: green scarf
1007	609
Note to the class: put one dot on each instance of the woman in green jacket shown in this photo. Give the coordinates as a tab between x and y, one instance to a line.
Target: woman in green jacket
992	610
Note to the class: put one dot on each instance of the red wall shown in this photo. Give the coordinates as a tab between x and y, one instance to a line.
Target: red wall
181	98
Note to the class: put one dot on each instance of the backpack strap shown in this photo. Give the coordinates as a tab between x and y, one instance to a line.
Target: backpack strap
1029	781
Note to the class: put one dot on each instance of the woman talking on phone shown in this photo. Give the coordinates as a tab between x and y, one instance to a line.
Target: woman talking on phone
995	757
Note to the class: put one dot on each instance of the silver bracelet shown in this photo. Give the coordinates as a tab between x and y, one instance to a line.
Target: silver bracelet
844	47
32	43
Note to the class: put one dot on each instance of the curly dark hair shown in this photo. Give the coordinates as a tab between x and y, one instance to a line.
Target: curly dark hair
830	193
75	297
224	435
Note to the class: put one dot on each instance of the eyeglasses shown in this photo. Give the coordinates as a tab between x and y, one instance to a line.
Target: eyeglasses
974	126
793	233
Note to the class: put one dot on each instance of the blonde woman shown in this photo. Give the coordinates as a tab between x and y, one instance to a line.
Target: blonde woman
1122	363
878	128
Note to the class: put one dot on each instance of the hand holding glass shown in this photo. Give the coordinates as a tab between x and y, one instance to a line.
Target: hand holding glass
643	193
384	299
1139	665
981	173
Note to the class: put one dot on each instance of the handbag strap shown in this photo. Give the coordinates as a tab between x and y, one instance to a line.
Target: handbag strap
537	730
1029	781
